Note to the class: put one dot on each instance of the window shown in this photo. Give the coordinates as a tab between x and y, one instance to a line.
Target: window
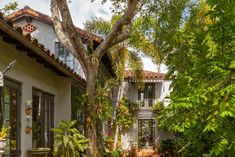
10	105
150	94
64	55
43	119
146	96
141	98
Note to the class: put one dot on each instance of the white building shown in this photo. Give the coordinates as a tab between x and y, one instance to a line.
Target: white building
45	73
145	132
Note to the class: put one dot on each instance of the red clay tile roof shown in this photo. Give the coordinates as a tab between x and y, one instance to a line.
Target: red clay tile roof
46	51
146	75
45	18
107	59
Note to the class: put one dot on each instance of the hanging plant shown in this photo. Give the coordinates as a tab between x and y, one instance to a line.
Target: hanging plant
126	111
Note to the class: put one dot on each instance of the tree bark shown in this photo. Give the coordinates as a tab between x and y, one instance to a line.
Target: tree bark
93	126
70	37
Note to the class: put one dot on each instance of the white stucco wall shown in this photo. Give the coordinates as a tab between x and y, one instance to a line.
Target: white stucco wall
131	91
32	74
165	92
46	35
162	89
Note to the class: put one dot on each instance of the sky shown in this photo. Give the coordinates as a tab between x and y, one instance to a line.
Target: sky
81	11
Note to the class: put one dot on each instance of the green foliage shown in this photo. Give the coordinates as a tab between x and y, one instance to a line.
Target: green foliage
166	146
3	133
102	102
8	8
116	153
126	111
202	108
68	141
76	103
122	56
158	107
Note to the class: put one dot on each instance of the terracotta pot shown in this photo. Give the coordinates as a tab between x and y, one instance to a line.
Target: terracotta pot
28	110
28	130
3	144
43	152
1	153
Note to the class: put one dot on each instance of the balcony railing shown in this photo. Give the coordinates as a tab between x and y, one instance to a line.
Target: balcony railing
146	103
68	58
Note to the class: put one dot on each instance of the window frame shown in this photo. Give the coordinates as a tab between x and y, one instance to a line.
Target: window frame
49	122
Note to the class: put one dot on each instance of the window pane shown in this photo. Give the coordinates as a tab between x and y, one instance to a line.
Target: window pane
6	95
42	119
141	98
37	121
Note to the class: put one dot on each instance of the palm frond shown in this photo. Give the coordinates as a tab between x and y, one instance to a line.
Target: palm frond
98	26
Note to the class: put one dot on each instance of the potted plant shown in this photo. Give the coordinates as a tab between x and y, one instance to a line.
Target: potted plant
3	136
28	108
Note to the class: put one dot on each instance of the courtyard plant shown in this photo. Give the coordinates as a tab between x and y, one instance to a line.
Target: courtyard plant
202	63
68	141
125	115
3	133
3	139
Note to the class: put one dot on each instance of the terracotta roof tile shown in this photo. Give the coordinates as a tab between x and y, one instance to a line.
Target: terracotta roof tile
146	75
45	18
41	46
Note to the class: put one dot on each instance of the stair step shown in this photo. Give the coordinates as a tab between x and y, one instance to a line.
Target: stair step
147	153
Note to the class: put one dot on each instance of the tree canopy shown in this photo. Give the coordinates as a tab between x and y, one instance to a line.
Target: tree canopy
202	111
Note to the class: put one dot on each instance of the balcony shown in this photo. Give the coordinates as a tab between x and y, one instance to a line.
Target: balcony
146	103
67	57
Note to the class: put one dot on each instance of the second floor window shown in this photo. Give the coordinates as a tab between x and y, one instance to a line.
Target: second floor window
64	55
146	96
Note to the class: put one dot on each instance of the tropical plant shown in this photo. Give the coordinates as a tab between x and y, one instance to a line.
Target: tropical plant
3	133
202	110
68	141
166	147
9	8
123	57
126	111
90	53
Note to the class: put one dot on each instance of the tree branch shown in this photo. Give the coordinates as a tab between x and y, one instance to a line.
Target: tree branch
58	26
60	6
121	37
125	20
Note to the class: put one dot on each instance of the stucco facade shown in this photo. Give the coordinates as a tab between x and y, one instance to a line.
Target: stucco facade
144	132
30	74
40	75
46	35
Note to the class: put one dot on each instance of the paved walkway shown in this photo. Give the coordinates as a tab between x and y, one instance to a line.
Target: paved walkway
147	153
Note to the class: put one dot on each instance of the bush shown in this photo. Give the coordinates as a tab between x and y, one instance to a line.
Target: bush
68	141
166	148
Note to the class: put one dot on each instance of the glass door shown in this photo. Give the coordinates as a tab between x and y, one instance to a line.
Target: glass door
146	133
43	119
11	117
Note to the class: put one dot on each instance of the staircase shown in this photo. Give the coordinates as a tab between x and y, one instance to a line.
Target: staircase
147	153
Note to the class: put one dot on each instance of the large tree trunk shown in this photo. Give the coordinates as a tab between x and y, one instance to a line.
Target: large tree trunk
93	125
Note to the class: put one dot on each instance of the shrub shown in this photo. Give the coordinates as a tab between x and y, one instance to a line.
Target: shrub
68	141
